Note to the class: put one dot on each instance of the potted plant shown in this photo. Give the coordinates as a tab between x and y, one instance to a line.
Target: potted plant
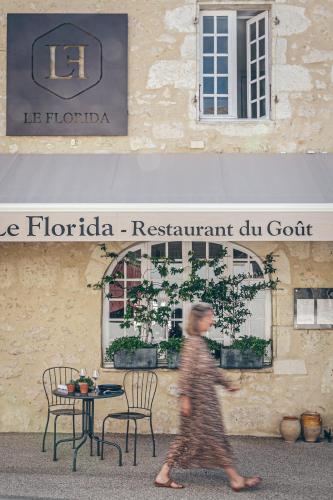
172	348
214	347
71	386
132	352
84	385
244	352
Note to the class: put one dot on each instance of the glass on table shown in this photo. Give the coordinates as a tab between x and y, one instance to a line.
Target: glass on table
95	376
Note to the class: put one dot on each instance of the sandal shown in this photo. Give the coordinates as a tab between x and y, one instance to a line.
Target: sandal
249	482
169	484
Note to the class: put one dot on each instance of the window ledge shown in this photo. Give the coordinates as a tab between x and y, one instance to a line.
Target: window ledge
108	369
266	369
213	121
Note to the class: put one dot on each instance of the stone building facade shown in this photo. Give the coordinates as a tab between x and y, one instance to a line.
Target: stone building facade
48	315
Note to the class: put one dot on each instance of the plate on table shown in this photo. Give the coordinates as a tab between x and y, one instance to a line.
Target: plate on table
109	387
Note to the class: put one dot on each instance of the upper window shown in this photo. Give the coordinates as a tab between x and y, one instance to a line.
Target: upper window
234	72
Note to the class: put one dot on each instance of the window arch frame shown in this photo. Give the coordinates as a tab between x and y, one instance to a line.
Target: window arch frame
145	248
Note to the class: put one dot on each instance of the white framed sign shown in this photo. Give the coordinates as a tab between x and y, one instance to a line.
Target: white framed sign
313	308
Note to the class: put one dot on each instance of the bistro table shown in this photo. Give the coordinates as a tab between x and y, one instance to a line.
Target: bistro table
88	408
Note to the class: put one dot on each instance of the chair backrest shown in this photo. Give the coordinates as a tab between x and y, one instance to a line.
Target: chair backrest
54	376
140	388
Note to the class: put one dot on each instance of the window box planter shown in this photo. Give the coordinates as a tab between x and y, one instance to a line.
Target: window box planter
173	358
171	348
137	358
235	358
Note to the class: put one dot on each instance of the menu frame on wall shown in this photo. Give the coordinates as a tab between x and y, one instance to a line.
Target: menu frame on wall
313	308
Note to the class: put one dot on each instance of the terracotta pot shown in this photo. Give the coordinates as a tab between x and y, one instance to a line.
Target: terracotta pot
311	426
84	387
71	388
290	428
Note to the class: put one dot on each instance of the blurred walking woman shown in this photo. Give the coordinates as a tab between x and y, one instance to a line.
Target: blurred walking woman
202	442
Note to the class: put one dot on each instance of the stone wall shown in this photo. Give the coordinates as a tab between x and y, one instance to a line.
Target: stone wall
49	317
162	81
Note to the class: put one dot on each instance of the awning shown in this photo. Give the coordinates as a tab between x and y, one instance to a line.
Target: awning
201	194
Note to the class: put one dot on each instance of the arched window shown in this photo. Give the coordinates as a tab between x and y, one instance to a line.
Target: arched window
238	259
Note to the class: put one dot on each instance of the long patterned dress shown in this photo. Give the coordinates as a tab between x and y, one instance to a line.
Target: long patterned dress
201	442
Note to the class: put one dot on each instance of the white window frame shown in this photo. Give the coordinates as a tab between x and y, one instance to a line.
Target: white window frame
146	249
232	65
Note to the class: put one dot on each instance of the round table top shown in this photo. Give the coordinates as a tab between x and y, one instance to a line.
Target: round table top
91	395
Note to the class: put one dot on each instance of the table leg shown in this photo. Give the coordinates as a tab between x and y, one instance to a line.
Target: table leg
91	426
85	430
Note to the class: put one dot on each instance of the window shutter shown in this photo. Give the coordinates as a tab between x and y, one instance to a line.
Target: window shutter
257	66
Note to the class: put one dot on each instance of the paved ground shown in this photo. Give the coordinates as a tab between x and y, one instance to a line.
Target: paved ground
298	471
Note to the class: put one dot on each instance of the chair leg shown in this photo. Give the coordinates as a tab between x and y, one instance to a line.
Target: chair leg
152	435
127	429
55	438
73	431
103	433
135	438
44	437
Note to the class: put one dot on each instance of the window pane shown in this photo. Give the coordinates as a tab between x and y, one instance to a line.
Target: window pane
222	85
208	45
177	313
114	331
134	270
132	284
261	27
262	106
208	65
253	71
222	45
240	267
222	105
175	250
253	31
175	329
222	24
253	51
222	64
158	250
119	270
116	309
116	289
262	47
155	275
262	87
253	91
208	85
256	271
238	254
262	67
214	250
208	24
199	249
254	109
208	103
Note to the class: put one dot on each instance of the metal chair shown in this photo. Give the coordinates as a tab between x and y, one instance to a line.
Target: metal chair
140	388
56	405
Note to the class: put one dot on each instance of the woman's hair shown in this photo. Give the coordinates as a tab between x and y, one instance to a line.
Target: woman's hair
198	311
